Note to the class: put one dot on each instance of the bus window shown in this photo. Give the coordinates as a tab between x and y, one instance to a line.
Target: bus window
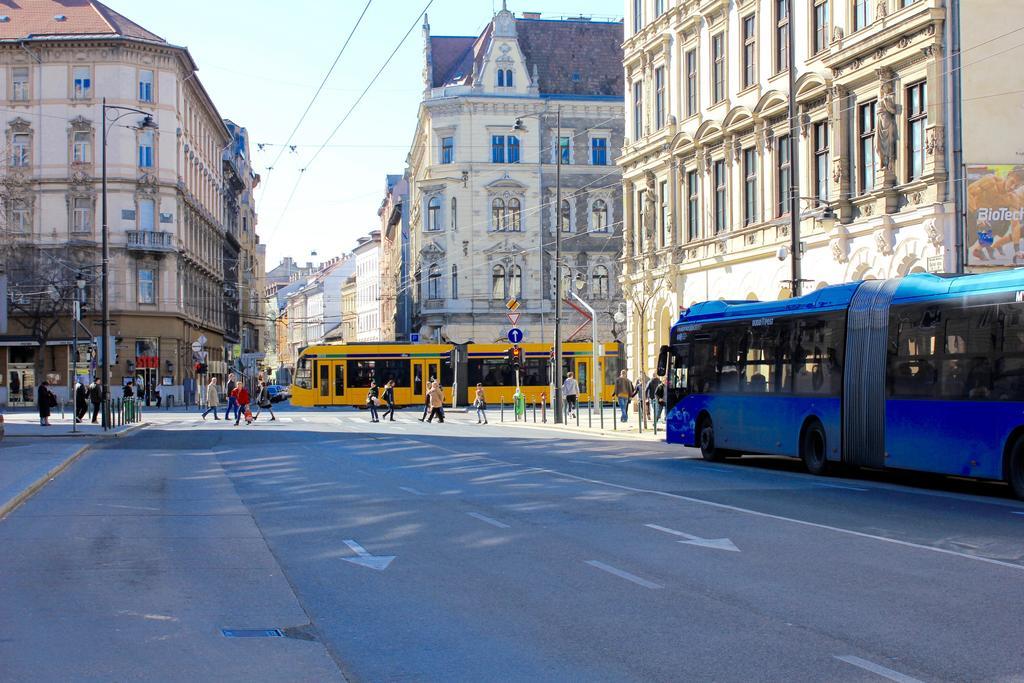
817	353
702	375
325	379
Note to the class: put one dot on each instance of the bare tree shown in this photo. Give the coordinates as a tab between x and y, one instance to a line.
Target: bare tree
641	293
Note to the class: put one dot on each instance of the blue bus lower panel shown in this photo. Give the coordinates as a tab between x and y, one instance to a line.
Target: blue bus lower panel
756	424
965	438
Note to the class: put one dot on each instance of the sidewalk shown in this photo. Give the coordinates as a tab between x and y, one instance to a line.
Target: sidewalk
587	425
26	425
26	465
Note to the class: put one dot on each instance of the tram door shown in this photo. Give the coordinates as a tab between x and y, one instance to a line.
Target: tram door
339	382
583	366
323	383
419	382
433	371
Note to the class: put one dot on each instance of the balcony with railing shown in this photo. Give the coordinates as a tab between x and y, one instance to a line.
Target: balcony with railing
150	240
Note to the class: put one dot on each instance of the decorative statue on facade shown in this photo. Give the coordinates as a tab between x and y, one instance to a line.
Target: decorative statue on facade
885	134
650	208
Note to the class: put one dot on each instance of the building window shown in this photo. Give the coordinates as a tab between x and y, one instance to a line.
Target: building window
513	148
147	214
692	205
20	219
749	51
447	150
861	17
497	149
434	282
917	121
599	151
638	15
147	287
508	78
455	282
659	97
749	186
455	214
821	25
638	232
781	35
81	83
717	68
19	84
599	216
515	282
720	196
566	216
565	147
498	213
146	139
498	283
81	147
666	227
21	144
659	7
501	78
434	215
638	110
81	214
599	286
515	213
782	175
821	161
691	82
866	132
145	85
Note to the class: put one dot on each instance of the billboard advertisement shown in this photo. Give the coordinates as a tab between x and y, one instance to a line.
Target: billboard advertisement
995	214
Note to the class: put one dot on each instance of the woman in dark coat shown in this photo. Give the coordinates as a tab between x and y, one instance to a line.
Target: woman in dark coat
45	401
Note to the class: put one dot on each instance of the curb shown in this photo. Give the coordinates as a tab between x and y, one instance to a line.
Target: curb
9	507
72	435
631	436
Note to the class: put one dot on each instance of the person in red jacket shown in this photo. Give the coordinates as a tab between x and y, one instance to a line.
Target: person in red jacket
242	397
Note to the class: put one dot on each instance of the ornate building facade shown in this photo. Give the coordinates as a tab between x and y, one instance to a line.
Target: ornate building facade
707	172
482	177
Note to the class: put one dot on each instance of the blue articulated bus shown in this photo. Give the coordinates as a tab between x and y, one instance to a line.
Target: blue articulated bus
921	373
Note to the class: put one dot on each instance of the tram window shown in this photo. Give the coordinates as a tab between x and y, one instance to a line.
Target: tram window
535	373
325	378
362	372
303	376
612	368
491	372
582	377
417	381
339	379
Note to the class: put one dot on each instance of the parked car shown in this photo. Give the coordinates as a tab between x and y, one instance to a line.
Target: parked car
278	393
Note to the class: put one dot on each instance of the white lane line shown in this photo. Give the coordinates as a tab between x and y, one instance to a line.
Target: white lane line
1018	512
488	520
716	469
839	486
623	574
411	490
877	669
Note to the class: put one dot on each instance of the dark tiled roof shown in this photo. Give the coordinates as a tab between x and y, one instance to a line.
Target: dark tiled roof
82	18
452	56
574	57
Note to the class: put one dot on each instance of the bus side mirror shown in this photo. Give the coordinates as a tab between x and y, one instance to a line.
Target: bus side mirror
663	361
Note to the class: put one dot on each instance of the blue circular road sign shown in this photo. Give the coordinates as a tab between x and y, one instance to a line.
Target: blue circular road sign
515	335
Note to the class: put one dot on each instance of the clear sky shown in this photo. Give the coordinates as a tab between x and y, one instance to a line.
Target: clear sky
262	60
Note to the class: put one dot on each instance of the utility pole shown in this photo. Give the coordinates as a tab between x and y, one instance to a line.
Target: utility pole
105	285
558	265
794	158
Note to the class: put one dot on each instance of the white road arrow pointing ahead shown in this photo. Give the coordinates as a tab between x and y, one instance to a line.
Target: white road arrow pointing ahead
715	543
365	559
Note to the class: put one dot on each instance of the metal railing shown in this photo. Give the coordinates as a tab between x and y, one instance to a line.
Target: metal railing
150	240
124	411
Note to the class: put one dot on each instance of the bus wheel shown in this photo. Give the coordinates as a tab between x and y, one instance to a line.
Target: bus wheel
706	439
813	449
1015	467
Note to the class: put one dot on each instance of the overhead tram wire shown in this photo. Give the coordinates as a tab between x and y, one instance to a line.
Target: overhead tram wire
302	171
319	89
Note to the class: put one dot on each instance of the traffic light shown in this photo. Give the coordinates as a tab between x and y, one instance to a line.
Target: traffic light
515	357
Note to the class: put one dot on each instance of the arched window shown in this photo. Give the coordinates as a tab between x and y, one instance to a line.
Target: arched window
454	218
508	78
498	283
566	216
434	283
599	288
599	216
434	214
501	78
515	282
455	282
514	215
498	213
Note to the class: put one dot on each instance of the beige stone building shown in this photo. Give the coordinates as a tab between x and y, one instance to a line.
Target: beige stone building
707	169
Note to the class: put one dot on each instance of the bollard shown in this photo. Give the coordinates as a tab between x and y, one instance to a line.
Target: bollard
502	404
534	412
577	411
544	408
615	416
600	412
590	414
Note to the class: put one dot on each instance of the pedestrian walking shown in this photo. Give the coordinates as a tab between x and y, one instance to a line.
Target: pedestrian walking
623	392
229	391
373	400
480	403
46	401
426	400
436	398
96	395
640	393
129	389
263	401
571	392
212	399
389	399
81	401
242	400
155	390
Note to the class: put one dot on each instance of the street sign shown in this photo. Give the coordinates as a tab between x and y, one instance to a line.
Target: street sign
512	304
414	337
197	347
515	335
513	318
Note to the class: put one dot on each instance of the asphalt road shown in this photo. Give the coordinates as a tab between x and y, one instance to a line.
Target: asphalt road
462	552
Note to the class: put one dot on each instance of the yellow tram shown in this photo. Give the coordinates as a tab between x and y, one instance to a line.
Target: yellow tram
340	374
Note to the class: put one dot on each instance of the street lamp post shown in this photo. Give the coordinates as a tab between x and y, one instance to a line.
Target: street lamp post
794	163
76	315
108	122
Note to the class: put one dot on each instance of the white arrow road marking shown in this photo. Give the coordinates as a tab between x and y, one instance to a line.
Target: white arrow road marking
365	559
877	669
716	543
488	520
623	574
